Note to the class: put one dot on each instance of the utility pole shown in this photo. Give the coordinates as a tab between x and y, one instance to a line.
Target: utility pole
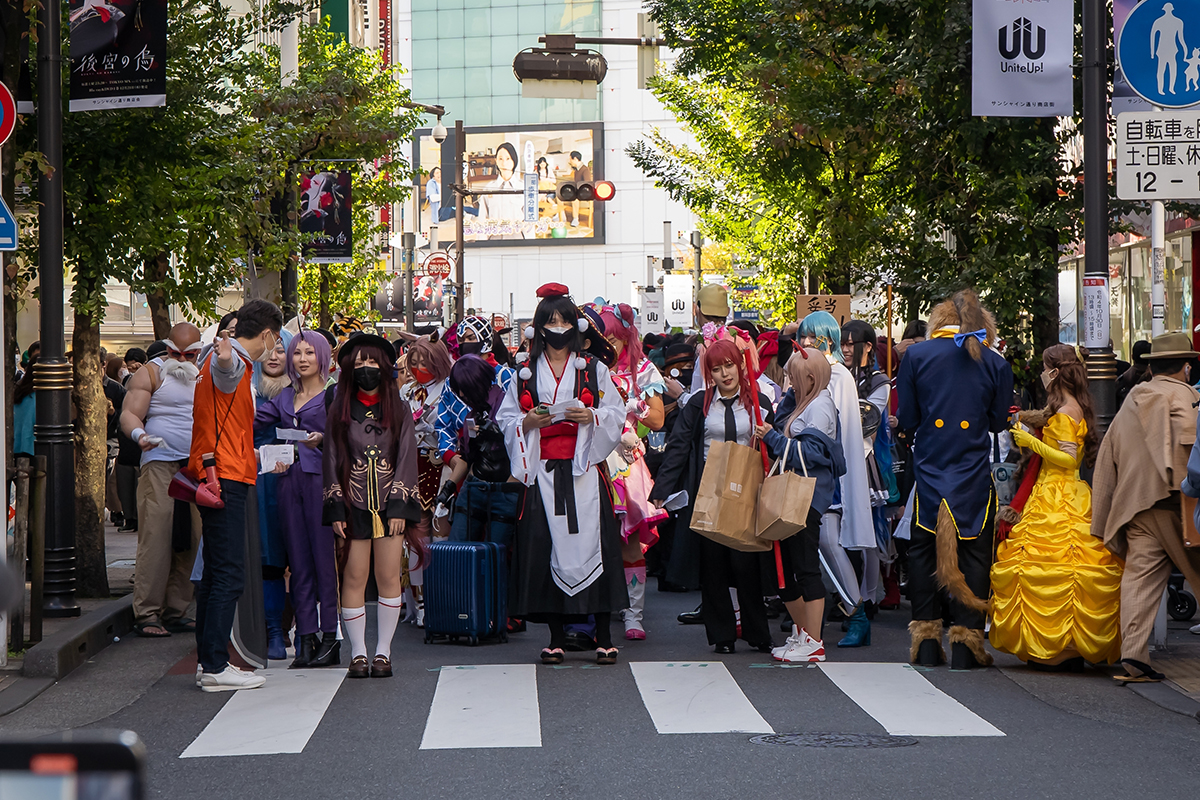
289	70
1101	364
1158	265
697	251
460	285
52	377
408	251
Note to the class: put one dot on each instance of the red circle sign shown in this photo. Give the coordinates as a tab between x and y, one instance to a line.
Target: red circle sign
8	113
437	263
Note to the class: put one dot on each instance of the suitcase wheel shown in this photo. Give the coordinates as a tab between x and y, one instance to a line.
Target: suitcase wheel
454	637
503	636
474	640
428	638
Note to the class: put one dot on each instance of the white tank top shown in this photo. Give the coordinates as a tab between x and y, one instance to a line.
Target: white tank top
170	416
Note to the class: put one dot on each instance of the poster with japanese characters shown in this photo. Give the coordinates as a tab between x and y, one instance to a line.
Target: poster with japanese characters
1021	58
836	304
325	215
118	54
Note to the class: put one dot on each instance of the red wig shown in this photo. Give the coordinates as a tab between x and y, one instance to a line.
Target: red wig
724	351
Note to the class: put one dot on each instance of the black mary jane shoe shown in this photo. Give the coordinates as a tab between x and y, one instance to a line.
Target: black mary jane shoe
328	653
359	668
606	655
306	646
725	648
553	655
381	667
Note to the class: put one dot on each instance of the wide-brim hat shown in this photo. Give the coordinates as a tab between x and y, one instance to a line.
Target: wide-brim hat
358	340
1171	345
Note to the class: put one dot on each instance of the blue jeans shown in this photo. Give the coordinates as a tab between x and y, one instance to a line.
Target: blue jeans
224	536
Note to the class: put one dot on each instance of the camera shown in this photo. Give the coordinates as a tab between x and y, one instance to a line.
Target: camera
439	132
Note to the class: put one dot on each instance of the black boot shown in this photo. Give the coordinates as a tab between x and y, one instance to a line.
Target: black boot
329	653
306	645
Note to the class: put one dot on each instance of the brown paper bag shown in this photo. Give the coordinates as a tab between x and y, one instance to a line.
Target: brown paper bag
784	500
727	499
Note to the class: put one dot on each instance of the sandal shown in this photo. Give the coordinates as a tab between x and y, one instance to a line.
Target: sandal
181	625
151	630
1137	672
552	655
606	655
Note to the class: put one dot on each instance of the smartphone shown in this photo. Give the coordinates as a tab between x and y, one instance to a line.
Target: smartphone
77	765
541	410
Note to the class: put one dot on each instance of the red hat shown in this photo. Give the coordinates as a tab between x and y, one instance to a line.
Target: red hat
768	343
552	290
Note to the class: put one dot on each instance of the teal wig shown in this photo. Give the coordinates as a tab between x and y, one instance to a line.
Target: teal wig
823	326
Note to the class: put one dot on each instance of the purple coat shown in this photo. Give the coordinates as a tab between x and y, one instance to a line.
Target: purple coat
278	413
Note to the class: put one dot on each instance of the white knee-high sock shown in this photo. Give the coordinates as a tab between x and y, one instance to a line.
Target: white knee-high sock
355	620
386	618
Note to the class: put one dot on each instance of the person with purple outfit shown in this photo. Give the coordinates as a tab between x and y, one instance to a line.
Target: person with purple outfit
310	547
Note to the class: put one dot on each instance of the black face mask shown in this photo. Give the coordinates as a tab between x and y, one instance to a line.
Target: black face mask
367	378
556	340
685	377
470	348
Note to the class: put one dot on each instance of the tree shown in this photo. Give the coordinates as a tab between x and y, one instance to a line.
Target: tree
835	138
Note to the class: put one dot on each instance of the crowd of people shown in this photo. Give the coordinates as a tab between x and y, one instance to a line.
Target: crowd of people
352	454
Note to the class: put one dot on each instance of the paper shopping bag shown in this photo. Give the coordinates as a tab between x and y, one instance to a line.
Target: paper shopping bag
727	500
784	500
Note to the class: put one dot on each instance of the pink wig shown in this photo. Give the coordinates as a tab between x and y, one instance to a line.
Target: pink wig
622	328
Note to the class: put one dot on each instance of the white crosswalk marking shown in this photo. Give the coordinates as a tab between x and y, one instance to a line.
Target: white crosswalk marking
486	705
904	702
278	718
695	698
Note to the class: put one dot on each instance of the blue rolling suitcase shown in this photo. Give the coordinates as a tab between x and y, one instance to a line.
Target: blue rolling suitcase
466	591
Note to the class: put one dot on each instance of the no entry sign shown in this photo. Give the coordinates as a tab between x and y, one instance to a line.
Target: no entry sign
8	114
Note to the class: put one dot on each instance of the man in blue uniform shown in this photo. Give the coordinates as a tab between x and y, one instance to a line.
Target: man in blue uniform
954	393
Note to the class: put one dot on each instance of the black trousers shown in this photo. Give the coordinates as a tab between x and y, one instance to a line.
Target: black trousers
720	568
975	561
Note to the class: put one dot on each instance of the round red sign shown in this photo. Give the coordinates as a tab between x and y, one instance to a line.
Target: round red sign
8	113
438	263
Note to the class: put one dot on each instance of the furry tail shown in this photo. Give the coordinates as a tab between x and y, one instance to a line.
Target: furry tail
949	576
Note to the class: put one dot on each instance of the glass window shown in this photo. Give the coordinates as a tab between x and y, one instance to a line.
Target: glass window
506	110
478	82
450	23
480	3
477	22
450	84
424	25
424	5
478	111
504	82
425	83
504	49
531	20
450	53
504	22
1177	281
1118	293
1068	303
424	54
532	110
477	52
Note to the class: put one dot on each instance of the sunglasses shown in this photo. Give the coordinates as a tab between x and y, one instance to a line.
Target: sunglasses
187	356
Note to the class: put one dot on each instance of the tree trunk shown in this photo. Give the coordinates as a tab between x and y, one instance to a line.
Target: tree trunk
91	456
325	319
160	311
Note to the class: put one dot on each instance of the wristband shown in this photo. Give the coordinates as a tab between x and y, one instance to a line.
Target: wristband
137	435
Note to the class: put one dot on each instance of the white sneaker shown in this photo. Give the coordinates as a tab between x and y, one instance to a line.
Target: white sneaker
230	679
794	639
199	673
807	650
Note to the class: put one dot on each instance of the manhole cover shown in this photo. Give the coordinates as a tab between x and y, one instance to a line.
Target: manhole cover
834	740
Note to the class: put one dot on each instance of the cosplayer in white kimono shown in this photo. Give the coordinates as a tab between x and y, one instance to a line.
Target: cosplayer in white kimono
566	556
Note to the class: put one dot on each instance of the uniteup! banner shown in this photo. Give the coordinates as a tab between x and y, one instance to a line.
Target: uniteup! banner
1021	58
118	54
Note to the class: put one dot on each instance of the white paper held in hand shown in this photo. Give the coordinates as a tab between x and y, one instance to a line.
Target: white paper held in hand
291	434
558	411
271	454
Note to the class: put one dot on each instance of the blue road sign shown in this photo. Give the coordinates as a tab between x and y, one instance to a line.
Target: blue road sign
8	227
1159	52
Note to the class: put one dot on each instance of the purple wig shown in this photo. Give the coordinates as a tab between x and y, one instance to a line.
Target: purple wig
471	378
319	344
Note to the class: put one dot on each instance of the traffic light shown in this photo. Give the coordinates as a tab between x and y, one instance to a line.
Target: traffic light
599	191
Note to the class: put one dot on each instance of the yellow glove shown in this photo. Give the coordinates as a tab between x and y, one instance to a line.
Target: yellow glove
1022	438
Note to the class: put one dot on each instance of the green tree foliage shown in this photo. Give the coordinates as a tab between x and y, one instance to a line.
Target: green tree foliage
834	139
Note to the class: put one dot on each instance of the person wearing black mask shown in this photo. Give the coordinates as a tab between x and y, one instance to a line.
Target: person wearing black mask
370	476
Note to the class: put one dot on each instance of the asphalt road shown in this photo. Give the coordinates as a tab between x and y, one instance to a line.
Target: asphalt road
1063	735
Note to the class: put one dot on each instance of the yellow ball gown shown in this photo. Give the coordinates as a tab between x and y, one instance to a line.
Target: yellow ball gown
1055	586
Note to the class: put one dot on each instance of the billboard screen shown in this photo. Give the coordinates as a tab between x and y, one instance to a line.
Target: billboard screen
497	159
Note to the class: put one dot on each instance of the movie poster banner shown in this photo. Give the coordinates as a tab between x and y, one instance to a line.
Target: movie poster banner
1022	52
498	159
118	54
325	211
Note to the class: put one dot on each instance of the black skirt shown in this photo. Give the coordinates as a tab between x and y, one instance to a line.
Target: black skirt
532	592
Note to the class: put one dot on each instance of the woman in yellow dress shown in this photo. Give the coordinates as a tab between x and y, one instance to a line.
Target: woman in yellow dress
1056	601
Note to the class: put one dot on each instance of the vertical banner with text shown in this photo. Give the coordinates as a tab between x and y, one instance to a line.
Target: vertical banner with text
325	211
1022	51
118	54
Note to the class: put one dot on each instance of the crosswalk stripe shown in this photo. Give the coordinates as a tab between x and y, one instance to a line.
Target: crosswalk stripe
695	698
904	702
484	705
278	718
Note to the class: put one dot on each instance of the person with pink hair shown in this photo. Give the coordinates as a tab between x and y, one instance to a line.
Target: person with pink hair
642	387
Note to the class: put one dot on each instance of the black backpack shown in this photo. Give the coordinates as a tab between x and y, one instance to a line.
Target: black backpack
487	452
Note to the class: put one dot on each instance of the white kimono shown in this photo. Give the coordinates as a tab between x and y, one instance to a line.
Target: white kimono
575	561
858	527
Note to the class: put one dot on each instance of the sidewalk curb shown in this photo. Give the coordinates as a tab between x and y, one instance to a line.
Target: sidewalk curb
1165	696
21	692
57	655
